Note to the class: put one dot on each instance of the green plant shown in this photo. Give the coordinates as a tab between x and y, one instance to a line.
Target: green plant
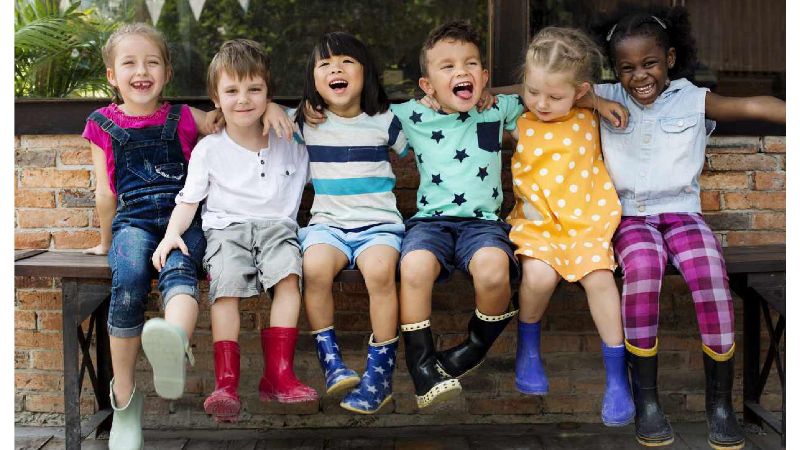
57	53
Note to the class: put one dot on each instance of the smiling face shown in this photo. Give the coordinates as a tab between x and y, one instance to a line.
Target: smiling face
551	95
642	67
242	100
139	73
455	76
339	80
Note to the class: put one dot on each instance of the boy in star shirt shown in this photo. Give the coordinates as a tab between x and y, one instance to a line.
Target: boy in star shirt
457	224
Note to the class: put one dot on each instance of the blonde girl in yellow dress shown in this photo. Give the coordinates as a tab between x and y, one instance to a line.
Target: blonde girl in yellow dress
566	210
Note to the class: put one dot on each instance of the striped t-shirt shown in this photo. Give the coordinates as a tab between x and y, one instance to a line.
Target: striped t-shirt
350	169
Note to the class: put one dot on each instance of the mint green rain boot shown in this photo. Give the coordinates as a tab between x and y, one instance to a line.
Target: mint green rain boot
167	349
126	427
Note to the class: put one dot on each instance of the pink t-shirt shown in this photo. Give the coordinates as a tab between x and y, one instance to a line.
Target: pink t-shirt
187	131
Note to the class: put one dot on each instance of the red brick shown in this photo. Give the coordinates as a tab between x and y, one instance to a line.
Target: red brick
41	141
24	320
709	200
725	180
76	198
755	237
76	156
50	321
24	339
48	359
733	144
24	158
775	144
38	300
38	381
54	178
744	162
22	359
29	198
769	220
76	239
755	200
31	239
33	282
770	181
47	218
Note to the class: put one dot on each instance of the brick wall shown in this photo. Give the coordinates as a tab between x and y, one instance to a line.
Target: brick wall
743	199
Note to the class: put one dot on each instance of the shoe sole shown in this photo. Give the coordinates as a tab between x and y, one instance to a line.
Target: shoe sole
443	372
365	412
618	424
721	446
525	391
165	352
343	385
655	443
443	391
286	400
223	410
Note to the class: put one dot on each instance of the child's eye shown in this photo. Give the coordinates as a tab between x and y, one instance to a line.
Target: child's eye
322	64
350	61
447	66
556	98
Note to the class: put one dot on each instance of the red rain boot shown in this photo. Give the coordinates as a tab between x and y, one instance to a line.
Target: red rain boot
223	404
279	382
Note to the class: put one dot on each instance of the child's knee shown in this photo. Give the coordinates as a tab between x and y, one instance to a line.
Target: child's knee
490	269
419	266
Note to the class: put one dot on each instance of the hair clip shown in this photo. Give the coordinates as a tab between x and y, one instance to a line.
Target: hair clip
663	25
611	33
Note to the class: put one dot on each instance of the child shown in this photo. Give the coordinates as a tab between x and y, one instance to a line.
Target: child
139	149
354	218
655	163
252	185
566	210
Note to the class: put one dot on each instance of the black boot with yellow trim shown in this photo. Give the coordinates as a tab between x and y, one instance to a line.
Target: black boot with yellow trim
430	385
724	432
652	427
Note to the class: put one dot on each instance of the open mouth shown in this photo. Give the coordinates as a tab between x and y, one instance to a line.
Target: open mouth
142	85
338	86
645	91
463	90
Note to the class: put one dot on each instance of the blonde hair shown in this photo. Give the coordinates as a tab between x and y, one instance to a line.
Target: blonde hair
557	50
242	58
140	29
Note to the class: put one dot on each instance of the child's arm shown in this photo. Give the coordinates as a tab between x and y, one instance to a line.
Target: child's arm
610	110
766	108
274	117
105	201
179	221
207	122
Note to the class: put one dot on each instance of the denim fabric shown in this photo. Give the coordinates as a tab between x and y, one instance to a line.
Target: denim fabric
353	243
655	162
150	170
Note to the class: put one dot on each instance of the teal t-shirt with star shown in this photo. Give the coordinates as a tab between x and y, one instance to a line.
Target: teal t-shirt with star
458	156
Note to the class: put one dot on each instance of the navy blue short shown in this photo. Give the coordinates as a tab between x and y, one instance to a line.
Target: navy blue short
454	240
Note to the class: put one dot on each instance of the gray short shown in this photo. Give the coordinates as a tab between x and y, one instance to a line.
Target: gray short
243	259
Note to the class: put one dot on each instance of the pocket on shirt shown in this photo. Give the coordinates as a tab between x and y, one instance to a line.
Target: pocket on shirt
489	136
679	131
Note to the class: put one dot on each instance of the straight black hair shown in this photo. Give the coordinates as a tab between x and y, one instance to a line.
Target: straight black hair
373	97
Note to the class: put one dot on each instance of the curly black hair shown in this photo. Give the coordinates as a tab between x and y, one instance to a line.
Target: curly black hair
670	27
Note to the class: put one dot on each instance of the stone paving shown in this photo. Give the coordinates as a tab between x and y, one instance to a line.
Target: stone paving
503	437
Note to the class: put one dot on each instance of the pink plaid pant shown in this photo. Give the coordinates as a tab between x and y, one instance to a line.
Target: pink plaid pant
643	245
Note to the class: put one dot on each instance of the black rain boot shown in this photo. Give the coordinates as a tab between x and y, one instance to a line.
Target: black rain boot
652	427
429	385
483	330
724	431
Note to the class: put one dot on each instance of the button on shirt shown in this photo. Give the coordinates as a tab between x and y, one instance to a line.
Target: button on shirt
655	162
241	185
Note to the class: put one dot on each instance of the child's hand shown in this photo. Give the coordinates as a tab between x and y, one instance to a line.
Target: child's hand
99	249
430	102
486	101
613	112
166	245
214	122
313	117
275	117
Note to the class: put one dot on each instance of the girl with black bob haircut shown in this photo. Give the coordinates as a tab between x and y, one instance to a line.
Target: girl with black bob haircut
670	120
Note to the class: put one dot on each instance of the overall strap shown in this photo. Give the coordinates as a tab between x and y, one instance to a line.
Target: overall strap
115	131
171	125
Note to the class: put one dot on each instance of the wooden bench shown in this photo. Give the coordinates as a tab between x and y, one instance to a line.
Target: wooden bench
757	275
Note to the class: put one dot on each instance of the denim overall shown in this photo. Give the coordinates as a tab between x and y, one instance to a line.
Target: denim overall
150	171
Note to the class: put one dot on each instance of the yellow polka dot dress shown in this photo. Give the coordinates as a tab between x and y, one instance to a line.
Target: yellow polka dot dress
566	207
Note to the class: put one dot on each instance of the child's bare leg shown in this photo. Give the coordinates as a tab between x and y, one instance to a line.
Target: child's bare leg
378	264
123	360
604	305
321	263
225	319
286	303
182	310
489	270
539	281
418	272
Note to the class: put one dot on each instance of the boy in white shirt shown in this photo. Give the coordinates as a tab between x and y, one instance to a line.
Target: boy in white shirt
252	185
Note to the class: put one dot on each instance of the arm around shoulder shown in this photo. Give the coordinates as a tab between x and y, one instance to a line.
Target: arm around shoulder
764	107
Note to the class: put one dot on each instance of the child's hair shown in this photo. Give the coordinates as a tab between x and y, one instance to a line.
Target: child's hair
140	29
670	27
241	58
457	30
373	97
556	49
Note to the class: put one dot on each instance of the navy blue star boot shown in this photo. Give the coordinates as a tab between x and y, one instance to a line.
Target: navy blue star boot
375	388
338	377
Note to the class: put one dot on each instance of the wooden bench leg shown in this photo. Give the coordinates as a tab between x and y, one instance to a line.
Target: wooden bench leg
103	358
72	387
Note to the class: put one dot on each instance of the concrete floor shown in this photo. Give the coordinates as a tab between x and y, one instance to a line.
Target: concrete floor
505	437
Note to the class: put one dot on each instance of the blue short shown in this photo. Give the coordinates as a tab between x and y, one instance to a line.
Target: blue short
455	240
352	243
